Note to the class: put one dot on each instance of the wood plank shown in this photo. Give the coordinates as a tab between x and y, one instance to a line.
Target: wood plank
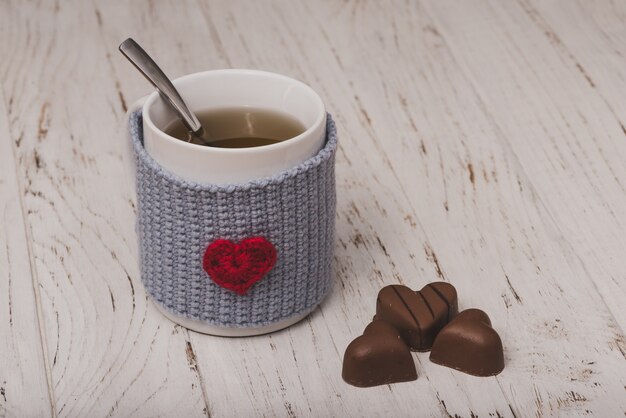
23	369
567	137
562	137
111	352
591	35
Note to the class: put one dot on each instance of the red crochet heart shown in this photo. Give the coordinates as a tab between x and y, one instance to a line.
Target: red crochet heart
238	266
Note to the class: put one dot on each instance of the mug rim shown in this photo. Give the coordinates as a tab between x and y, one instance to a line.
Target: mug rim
154	96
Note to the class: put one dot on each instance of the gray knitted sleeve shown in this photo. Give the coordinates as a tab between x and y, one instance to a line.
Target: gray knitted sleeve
178	219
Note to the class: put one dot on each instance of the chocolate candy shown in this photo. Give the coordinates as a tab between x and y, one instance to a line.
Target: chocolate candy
378	357
469	344
418	316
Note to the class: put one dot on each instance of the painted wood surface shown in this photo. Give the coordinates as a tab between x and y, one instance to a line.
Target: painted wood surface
482	143
23	373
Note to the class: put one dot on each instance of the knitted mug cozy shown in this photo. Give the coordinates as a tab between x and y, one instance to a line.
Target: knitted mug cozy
242	255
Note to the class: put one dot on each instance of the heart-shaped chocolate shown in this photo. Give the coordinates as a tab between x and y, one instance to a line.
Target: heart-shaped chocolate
378	357
469	344
238	266
418	316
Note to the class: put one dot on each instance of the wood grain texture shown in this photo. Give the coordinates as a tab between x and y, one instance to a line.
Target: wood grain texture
593	41
480	144
571	138
23	374
110	353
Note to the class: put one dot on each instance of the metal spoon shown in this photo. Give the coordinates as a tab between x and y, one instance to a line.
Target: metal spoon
146	65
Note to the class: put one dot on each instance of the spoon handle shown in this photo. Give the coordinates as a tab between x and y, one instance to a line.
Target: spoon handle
146	65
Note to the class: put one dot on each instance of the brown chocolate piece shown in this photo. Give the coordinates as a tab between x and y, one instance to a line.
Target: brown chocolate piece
469	344
378	357
418	316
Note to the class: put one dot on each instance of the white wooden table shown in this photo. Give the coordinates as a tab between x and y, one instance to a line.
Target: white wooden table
482	143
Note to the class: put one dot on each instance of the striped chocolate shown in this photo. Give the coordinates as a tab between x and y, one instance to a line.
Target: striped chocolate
418	316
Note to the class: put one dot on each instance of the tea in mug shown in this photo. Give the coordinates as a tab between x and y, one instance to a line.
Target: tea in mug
241	127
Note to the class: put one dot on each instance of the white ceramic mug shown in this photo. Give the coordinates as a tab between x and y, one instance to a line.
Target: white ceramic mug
226	89
235	88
